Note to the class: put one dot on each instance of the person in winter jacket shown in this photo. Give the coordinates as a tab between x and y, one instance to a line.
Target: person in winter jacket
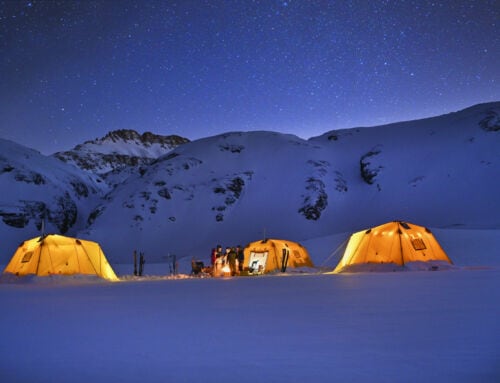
231	259
219	252
240	256
217	269
213	256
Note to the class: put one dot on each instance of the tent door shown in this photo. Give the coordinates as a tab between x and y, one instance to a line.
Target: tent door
257	263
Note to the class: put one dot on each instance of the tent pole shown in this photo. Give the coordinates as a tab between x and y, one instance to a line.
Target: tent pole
334	252
400	233
90	260
39	257
77	257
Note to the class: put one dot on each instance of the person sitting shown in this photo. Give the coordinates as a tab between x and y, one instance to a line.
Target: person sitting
196	266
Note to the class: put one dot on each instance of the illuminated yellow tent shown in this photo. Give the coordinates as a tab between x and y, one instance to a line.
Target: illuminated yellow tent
395	243
59	255
275	254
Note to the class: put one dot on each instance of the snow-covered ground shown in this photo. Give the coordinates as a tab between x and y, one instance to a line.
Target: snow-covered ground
423	326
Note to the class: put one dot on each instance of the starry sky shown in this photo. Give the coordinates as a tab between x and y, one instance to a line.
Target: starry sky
71	71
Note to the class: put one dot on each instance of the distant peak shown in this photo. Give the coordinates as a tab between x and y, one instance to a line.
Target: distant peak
147	138
121	135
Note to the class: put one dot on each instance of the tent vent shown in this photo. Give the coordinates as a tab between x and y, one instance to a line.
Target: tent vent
418	244
405	225
41	239
27	257
428	230
368	231
78	242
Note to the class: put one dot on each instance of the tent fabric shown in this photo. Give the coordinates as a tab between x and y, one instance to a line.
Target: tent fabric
395	242
273	251
60	255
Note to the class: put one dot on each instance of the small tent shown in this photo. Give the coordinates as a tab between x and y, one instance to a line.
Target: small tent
393	243
275	254
60	255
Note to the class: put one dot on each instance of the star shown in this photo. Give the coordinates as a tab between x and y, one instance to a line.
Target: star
172	67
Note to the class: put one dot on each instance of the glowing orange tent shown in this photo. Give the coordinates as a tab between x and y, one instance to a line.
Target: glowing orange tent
396	243
60	255
275	254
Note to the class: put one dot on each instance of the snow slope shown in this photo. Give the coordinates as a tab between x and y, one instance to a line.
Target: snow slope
219	189
35	188
238	187
440	171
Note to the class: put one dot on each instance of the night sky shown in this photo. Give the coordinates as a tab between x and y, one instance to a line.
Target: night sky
71	71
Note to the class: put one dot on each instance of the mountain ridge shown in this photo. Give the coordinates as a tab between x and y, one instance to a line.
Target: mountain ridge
238	186
114	156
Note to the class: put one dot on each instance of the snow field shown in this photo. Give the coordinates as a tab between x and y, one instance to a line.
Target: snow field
378	327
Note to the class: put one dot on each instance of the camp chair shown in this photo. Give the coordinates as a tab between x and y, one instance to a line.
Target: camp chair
197	267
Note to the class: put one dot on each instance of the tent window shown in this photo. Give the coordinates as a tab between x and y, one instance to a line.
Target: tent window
27	257
297	256
418	244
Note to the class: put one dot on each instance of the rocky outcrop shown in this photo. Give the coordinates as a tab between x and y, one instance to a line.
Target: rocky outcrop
120	153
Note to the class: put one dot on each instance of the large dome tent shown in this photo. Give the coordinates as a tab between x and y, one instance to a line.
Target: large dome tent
395	244
59	255
270	255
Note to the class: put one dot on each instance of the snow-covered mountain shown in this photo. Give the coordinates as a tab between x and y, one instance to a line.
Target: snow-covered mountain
37	190
121	152
237	187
